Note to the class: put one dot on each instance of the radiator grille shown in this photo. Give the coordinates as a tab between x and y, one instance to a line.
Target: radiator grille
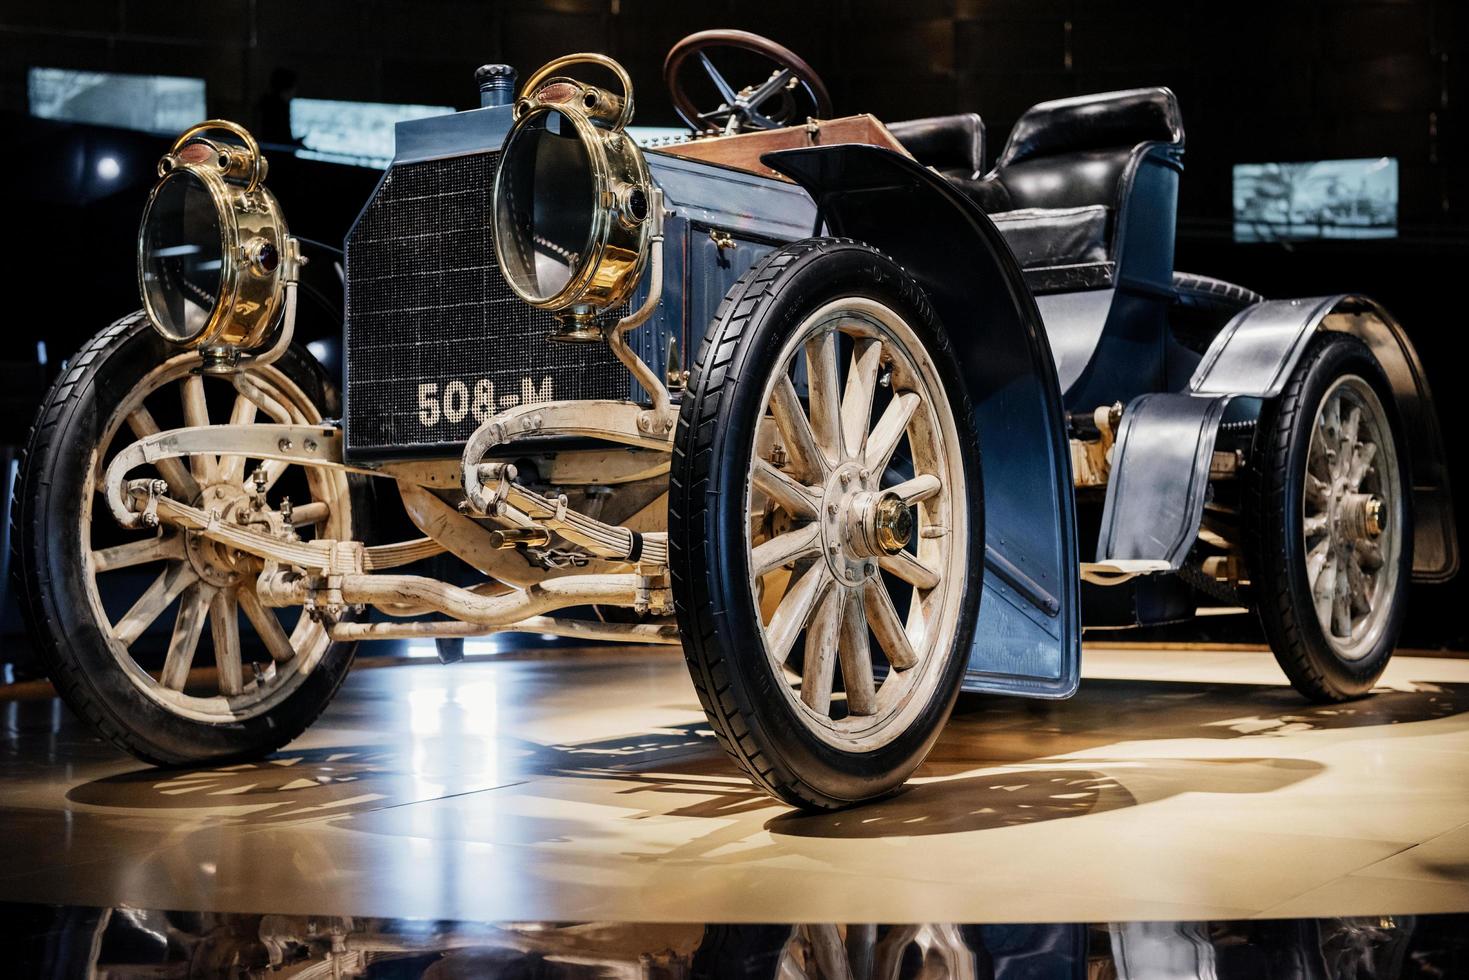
436	340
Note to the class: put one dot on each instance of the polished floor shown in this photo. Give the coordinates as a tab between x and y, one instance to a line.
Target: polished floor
1180	785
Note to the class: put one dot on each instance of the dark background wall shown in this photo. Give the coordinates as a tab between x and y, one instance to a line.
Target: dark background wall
1289	80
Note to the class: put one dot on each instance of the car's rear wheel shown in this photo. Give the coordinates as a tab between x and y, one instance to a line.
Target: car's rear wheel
825	511
94	591
1333	535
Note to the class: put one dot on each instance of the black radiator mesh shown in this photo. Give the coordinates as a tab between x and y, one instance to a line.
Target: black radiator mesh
436	340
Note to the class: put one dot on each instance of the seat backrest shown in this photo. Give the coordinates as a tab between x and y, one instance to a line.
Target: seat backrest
952	145
1075	152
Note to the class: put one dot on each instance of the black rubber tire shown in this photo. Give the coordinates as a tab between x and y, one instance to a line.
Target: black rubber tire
1276	550
1213	295
706	525
68	640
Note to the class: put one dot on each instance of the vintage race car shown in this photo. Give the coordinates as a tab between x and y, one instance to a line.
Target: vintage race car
855	421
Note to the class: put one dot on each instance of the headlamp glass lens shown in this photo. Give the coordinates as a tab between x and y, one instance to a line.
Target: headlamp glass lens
545	205
182	256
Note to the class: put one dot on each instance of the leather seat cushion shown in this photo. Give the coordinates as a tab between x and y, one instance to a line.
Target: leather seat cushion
1056	236
952	145
1070	181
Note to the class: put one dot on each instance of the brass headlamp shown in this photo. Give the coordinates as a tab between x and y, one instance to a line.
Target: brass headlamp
214	255
573	198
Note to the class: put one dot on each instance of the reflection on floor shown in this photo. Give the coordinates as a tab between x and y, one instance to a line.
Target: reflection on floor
134	943
1176	785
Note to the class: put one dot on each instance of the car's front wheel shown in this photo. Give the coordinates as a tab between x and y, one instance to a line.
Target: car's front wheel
157	637
825	516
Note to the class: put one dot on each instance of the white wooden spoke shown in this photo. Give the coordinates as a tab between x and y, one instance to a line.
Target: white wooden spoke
1324	447
1349	431
883	618
822	639
1362	457
1341	603
160	548
822	384
795	429
1323	593
1359	588
274	470
1331	420
264	619
795	609
224	627
1315	561
174	578
181	482
1314	525
888	431
856	657
196	412
857	398
792	496
187	628
920	488
232	468
908	568
785	548
314	512
1317	490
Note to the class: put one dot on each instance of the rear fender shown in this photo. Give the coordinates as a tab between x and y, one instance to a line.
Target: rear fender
1028	640
1166	440
1256	352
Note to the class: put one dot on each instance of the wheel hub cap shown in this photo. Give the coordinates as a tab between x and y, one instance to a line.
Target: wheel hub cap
216	564
846	502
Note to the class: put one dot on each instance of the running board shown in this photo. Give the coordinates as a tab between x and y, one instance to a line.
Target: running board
1120	570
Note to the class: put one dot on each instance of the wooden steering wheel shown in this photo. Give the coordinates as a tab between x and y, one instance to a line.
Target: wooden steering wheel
791	94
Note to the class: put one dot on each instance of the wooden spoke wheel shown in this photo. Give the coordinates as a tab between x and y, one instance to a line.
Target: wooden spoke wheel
1332	526
158	636
838	540
825	518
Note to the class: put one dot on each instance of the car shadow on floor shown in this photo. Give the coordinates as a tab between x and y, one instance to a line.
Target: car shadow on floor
1016	796
998	763
1180	709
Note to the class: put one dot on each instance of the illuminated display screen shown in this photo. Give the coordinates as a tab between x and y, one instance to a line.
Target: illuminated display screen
1323	199
352	132
152	103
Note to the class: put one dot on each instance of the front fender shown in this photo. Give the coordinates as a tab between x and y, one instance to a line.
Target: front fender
1256	352
1029	636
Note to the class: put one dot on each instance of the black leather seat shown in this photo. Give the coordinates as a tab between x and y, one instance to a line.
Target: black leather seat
1059	192
952	145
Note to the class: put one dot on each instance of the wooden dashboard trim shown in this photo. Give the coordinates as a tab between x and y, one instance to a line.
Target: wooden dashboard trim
744	150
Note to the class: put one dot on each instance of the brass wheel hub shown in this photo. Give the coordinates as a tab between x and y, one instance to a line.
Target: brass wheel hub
861	523
1359	518
893	524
